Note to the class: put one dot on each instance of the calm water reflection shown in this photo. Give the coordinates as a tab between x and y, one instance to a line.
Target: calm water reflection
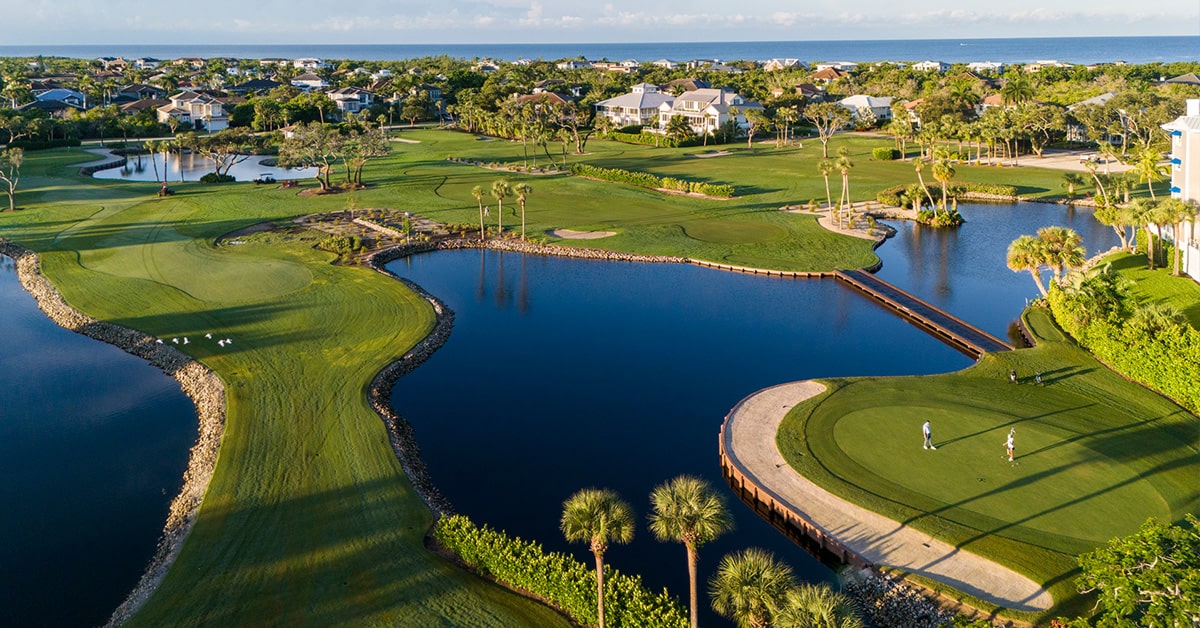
93	444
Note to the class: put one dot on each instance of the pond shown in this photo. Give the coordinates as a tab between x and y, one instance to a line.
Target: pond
93	445
564	373
143	168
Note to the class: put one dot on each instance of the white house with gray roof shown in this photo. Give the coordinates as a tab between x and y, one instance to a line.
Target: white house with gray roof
640	106
707	110
880	106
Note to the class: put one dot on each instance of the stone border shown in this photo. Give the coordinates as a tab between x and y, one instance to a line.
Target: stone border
199	383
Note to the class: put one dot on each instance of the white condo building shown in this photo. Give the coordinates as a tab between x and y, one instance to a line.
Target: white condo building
1185	181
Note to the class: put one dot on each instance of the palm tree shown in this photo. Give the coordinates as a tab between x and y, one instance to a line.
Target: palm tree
1141	214
687	509
826	167
500	190
943	171
748	585
1181	212
1063	249
1070	181
1147	168
815	606
1017	90
477	192
1027	253
919	166
151	147
598	517
844	164
1160	216
678	128
523	191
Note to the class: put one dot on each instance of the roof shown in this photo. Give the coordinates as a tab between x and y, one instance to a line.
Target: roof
861	100
144	104
829	74
638	100
308	77
688	84
1187	79
543	97
1183	123
258	85
719	99
1094	100
59	93
49	106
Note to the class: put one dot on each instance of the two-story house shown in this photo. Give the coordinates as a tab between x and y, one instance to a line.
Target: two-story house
352	99
198	110
707	110
640	106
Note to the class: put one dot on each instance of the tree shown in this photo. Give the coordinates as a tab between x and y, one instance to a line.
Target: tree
1071	180
1040	123
748	585
919	167
1150	578
1161	215
312	145
1027	253
477	192
825	167
225	148
687	509
10	173
755	119
826	118
523	190
1141	214
359	148
815	606
844	165
678	128
1180	212
943	172
1062	248
598	517
500	191
1148	169
1016	90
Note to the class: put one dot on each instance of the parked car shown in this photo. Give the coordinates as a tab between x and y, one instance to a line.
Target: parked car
265	177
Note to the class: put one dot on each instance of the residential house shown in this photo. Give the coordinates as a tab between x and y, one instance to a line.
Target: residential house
859	104
138	106
826	76
639	107
989	67
269	61
1045	63
255	86
1185	79
842	66
197	109
931	66
309	64
139	91
784	64
1185	182
679	86
541	98
721	67
707	110
352	99
113	63
69	96
665	63
573	64
195	63
309	81
912	107
1077	132
52	108
146	63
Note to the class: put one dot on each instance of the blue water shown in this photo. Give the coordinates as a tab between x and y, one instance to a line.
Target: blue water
93	444
563	373
1010	50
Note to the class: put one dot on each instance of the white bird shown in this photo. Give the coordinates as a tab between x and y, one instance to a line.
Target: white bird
175	340
159	341
185	340
221	342
229	341
209	336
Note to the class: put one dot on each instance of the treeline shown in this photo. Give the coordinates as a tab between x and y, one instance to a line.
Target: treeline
647	180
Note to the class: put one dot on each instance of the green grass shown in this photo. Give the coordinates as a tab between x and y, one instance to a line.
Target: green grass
1096	456
309	518
1159	286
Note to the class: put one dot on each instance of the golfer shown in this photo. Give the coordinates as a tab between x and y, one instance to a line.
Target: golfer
928	432
1009	443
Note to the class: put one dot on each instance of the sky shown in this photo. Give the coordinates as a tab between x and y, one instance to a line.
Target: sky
63	22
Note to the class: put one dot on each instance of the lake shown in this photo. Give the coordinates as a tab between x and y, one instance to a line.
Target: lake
142	168
93	445
564	373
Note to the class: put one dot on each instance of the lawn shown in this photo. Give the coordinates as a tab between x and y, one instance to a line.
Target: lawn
1096	456
1159	286
309	518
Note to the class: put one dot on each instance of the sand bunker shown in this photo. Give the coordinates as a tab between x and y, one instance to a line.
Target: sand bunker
569	234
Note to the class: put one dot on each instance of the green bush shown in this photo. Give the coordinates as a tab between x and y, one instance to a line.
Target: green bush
885	153
558	578
342	245
647	180
213	177
31	145
1158	350
647	139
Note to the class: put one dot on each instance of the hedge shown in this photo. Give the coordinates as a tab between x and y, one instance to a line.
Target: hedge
647	180
895	196
31	145
558	578
648	139
1166	360
885	153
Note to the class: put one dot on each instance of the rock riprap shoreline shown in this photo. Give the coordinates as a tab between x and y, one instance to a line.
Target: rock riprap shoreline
200	384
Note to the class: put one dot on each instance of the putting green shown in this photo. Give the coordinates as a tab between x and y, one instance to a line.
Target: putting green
1056	481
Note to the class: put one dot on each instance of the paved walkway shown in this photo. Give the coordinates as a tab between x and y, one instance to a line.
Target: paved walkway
750	432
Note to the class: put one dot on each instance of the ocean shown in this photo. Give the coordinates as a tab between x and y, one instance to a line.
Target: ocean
1081	50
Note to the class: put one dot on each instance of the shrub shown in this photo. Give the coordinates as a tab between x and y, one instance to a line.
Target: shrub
30	145
885	153
342	245
558	578
213	177
647	180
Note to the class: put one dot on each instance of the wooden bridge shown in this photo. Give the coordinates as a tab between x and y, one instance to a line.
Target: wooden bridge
941	324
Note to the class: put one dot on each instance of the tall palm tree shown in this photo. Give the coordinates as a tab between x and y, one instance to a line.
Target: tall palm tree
1141	214
1063	249
1017	90
500	191
815	606
523	191
1027	253
477	192
919	166
1148	168
943	171
151	147
1162	214
748	585
687	509
826	167
844	165
598	517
